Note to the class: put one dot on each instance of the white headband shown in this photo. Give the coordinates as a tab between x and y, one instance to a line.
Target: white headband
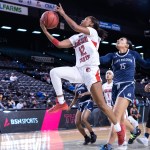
110	72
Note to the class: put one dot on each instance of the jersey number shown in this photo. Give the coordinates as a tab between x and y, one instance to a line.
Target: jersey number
82	50
122	66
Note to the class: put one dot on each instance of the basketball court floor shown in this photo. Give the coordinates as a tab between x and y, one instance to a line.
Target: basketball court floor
59	140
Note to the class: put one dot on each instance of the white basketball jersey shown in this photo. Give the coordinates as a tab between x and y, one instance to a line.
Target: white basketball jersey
107	90
86	48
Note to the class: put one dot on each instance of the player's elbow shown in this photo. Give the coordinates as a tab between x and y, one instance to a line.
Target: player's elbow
59	46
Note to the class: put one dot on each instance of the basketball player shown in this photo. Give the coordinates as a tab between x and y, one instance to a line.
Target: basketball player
144	140
107	88
123	64
86	45
130	122
85	107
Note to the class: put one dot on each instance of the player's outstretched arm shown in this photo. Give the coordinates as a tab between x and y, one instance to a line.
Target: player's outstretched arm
143	63
107	59
74	101
60	44
72	23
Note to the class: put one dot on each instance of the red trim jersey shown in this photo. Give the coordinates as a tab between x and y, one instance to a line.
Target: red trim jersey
86	48
107	90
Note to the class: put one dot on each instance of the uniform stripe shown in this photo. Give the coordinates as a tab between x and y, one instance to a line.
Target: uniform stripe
98	76
95	43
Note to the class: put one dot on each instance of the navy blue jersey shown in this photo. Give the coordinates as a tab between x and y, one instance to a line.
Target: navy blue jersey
124	65
80	89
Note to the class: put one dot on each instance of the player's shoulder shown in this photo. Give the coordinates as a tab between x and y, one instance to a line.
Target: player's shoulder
104	84
92	31
90	28
133	53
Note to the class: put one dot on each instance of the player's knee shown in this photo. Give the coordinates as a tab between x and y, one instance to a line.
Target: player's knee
83	120
53	73
118	114
77	123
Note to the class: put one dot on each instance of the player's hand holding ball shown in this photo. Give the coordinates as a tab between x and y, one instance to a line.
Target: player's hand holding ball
147	87
60	10
49	20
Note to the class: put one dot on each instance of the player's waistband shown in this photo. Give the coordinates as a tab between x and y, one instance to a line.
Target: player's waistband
86	101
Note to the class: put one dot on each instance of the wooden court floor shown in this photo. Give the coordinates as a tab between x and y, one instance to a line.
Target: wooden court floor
59	140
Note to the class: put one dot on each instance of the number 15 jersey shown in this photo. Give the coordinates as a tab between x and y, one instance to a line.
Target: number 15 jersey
86	48
124	65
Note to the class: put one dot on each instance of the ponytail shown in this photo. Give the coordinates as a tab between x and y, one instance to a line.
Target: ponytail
102	33
131	47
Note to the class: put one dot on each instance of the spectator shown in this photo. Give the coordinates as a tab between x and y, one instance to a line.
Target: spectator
49	103
134	112
47	78
11	104
25	105
136	102
144	80
20	104
1	105
13	77
6	78
33	103
41	95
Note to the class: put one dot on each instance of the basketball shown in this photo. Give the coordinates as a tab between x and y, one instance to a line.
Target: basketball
147	88
50	19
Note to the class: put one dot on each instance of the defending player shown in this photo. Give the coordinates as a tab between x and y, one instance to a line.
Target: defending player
130	122
85	107
123	64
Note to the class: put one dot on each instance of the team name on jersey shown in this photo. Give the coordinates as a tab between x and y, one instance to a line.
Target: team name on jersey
107	90
123	59
82	40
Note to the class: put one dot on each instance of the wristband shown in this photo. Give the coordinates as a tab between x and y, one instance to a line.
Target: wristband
55	42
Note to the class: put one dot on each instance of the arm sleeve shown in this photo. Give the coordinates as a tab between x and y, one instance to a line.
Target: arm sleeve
143	63
107	59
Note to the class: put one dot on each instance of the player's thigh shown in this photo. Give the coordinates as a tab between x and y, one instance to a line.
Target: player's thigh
68	73
88	108
120	107
78	117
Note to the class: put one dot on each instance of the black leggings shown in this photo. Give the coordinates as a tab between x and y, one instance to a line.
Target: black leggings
148	120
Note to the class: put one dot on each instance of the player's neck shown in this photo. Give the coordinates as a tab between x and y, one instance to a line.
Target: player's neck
122	50
109	81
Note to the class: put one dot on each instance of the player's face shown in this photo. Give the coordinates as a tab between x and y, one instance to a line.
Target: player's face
109	76
121	43
86	22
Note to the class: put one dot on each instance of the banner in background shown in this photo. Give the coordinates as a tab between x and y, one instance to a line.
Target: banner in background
13	8
34	3
21	121
67	120
110	26
35	120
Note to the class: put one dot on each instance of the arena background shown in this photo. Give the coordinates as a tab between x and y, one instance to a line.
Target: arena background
30	56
